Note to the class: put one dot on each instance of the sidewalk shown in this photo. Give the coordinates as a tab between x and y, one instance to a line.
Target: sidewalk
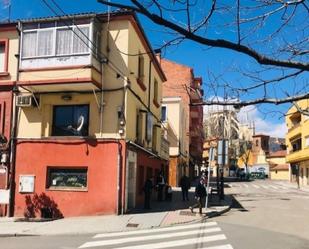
293	185
162	214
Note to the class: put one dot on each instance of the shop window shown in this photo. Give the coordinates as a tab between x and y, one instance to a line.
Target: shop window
75	178
3	56
70	120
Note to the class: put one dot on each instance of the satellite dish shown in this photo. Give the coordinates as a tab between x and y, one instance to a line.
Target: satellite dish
80	123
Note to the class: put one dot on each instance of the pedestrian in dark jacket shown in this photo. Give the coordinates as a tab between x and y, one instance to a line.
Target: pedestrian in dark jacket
200	194
148	186
185	186
160	186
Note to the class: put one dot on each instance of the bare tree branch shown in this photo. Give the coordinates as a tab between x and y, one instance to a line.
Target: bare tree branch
220	43
239	104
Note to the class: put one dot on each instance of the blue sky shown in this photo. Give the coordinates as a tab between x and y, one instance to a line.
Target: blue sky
208	63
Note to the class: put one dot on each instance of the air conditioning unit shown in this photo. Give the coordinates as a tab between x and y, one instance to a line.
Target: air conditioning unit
24	101
28	100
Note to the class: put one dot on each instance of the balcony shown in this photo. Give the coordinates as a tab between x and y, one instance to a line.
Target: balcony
164	148
57	56
295	131
296	156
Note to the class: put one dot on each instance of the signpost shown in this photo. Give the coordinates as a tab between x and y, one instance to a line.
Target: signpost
223	148
210	159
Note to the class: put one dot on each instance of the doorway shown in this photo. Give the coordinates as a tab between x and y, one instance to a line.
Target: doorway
131	185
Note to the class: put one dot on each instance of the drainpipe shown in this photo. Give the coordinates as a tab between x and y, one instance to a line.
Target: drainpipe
149	94
15	110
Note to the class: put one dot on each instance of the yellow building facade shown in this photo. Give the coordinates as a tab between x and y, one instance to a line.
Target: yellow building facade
88	109
297	141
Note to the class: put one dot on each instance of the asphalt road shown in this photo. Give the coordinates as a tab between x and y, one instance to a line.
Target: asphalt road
265	215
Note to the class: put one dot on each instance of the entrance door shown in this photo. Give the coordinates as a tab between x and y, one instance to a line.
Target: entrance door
131	185
307	175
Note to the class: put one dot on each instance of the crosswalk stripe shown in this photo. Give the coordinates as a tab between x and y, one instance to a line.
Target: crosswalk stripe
272	186
164	229
149	237
282	187
227	246
176	243
255	186
265	187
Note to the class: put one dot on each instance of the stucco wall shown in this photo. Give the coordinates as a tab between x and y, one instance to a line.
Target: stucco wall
279	175
100	159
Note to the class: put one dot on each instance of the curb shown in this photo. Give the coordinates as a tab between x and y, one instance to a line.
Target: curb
200	219
9	235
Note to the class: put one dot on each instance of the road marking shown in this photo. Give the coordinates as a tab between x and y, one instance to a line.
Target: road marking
255	186
245	185
149	237
177	243
227	246
164	229
282	187
265	187
272	186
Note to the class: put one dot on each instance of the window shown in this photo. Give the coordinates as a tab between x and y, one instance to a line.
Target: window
49	40
63	41
257	143
3	56
45	42
75	178
307	141
154	138
163	113
139	127
70	120
140	73
80	40
156	93
296	145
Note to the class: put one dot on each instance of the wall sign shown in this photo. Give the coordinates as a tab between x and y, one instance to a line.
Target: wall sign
26	183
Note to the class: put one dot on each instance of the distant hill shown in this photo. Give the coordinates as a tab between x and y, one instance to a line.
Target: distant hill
276	144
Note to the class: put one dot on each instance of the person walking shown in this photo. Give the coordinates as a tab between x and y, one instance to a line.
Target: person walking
200	194
185	186
160	185
148	186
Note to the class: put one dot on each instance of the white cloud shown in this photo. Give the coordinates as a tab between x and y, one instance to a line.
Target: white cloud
251	114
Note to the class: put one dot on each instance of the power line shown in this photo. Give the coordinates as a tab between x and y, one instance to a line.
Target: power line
108	62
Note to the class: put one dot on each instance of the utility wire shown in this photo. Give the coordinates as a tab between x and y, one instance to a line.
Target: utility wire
108	62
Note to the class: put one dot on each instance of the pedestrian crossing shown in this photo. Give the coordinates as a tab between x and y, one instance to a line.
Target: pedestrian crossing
198	236
260	186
